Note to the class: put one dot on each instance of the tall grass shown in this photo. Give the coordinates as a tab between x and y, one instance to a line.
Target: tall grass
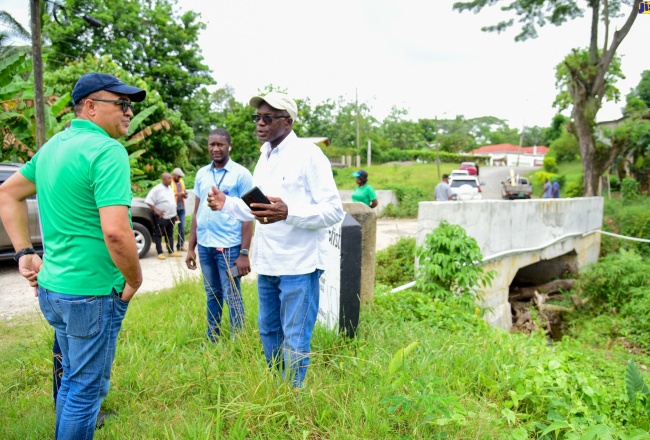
437	373
168	382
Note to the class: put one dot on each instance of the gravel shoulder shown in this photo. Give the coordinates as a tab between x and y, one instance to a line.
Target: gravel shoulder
17	298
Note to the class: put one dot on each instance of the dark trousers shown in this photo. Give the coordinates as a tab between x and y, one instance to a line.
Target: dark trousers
164	230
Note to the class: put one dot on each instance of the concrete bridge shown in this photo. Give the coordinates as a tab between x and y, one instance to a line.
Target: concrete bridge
532	240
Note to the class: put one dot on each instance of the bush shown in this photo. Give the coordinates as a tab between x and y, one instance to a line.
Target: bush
630	218
408	198
611	282
450	264
630	189
550	164
395	265
637	326
573	189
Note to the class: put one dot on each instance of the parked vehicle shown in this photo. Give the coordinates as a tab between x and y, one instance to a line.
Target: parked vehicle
455	173
465	188
471	167
141	216
516	188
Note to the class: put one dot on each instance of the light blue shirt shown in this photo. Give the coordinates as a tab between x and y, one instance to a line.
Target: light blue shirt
214	228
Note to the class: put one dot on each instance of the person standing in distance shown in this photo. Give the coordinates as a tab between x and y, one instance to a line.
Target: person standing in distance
555	188
364	193
223	241
443	190
181	195
291	234
163	204
91	268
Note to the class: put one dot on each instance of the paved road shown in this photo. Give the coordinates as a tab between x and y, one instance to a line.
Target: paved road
491	178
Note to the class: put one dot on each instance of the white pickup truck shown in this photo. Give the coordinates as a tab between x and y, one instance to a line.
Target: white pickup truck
516	188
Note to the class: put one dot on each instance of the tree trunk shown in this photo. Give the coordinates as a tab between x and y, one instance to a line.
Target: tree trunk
587	94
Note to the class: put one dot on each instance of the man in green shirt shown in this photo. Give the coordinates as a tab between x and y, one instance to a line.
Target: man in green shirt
90	269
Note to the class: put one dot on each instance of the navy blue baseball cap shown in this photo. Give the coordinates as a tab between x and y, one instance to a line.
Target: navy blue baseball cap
94	82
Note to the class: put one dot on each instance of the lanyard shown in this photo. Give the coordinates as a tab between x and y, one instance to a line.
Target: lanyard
220	181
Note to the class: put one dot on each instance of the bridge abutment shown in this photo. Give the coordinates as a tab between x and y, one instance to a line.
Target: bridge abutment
540	235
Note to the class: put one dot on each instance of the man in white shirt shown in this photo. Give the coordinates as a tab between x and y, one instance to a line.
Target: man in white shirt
162	202
290	236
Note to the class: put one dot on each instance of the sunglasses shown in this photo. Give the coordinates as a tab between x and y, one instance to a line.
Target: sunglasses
267	118
126	105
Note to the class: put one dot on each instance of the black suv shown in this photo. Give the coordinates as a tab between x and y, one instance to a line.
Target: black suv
141	216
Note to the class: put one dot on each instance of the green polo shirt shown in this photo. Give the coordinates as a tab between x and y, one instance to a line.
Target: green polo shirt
364	194
78	171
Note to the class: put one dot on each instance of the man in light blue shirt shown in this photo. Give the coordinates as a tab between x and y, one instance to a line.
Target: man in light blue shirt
223	242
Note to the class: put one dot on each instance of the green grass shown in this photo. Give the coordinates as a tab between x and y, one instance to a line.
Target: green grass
169	383
418	175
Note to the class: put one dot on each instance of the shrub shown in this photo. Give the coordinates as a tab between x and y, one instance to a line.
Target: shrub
408	198
395	265
630	189
550	164
630	218
573	189
611	281
450	264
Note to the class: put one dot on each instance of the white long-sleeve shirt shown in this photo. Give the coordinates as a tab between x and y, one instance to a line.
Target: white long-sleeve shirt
298	172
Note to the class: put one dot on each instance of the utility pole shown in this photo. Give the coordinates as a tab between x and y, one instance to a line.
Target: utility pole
438	149
356	104
37	63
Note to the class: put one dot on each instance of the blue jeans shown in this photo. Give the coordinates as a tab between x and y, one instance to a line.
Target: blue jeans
219	286
288	312
181	229
86	329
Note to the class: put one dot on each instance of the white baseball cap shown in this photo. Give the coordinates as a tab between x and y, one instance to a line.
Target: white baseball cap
278	101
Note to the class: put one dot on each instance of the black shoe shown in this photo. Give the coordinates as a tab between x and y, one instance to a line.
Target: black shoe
102	417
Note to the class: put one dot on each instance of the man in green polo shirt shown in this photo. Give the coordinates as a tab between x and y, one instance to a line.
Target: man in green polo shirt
90	269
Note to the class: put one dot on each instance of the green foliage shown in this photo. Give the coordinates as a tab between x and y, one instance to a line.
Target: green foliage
566	147
634	384
395	265
17	112
578	68
408	198
573	189
611	281
636	312
132	36
630	189
450	264
643	88
155	128
550	164
629	217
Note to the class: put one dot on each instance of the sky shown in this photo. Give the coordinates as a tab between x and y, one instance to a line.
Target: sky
417	55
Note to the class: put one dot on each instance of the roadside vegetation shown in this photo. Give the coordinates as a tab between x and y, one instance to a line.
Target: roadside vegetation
423	365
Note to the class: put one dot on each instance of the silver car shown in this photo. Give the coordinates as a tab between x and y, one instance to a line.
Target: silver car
141	216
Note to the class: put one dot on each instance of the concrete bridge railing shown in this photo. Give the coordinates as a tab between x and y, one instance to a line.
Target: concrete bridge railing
540	236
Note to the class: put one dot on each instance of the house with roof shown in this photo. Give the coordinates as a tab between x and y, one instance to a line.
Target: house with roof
513	155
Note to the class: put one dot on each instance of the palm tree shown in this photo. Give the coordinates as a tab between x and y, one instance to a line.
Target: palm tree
14	32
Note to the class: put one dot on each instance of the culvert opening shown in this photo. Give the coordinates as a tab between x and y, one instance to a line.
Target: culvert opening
540	295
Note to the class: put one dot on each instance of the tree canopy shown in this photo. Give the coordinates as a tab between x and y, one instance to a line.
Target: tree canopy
146	38
585	76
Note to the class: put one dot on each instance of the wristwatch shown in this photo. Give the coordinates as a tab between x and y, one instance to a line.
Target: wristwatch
26	251
243	251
